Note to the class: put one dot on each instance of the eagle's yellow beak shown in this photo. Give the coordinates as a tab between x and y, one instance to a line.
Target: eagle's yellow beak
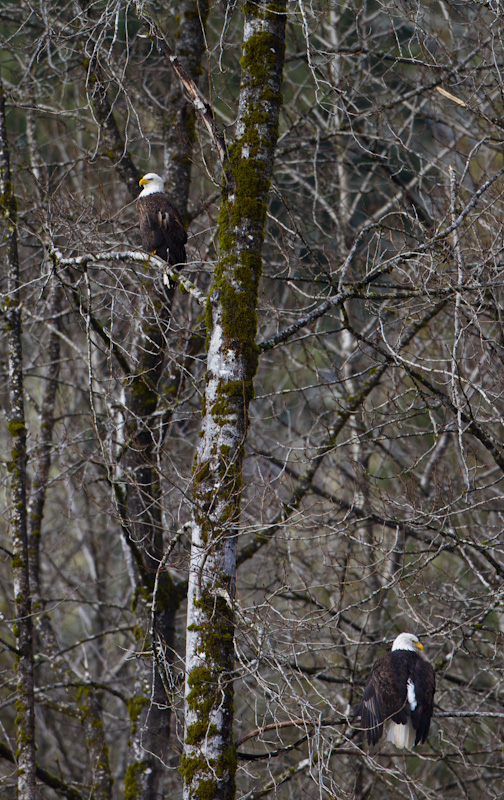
419	645
142	182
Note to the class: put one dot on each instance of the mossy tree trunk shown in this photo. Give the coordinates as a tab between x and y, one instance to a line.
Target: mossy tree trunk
23	626
208	764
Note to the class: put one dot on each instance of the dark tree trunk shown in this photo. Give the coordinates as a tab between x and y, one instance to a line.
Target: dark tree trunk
23	626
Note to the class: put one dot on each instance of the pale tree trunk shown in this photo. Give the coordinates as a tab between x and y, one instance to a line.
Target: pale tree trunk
23	627
208	764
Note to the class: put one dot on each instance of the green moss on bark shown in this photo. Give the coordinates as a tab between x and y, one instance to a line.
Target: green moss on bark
218	473
132	784
204	774
16	426
135	706
259	56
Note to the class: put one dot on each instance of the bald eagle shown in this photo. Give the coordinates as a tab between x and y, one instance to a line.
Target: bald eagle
161	226
401	688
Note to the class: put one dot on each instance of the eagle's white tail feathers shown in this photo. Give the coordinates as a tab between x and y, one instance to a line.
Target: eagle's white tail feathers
402	736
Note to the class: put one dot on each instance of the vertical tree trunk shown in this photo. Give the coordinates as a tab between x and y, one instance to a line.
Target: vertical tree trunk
39	486
150	712
208	765
179	134
23	628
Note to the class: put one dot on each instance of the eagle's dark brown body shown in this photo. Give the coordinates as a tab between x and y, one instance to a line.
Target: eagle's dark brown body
161	228
400	688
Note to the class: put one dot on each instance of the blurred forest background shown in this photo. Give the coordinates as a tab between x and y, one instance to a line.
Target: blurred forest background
371	476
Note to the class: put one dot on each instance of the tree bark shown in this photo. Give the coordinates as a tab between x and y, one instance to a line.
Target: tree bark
180	122
150	712
208	764
23	626
47	419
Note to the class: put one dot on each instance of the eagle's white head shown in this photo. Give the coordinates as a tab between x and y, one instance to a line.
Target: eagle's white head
151	183
407	641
